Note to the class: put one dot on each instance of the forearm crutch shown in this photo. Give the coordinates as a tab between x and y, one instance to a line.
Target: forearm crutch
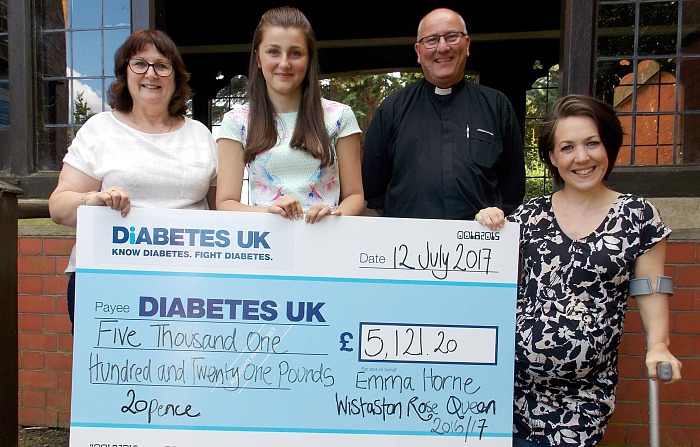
664	373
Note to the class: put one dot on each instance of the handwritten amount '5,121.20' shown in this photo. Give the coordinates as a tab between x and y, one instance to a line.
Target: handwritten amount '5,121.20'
428	343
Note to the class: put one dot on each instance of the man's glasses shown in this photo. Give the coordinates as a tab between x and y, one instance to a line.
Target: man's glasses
140	66
433	41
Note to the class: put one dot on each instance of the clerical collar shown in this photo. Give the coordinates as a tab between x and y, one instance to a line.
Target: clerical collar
443	91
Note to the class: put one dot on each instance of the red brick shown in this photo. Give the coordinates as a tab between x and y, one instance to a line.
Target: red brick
630	367
636	344
686	415
679	436
64	419
614	435
38	380
58	399
62	307
36	304
624	348
31	323
37	342
682	299
688	276
39	417
615	419
680	253
637	435
666	413
681	345
685	322
61	264
32	398
65	382
672	271
59	362
30	246
32	360
676	392
30	285
630	412
57	324
58	246
56	285
633	323
691	369
639	389
65	342
622	391
37	265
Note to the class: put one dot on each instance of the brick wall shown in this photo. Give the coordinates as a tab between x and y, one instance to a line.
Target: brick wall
46	346
45	342
679	402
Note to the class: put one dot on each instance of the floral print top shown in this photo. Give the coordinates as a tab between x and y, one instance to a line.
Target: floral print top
284	170
572	300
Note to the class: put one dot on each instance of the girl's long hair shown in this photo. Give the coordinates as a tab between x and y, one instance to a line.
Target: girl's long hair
310	132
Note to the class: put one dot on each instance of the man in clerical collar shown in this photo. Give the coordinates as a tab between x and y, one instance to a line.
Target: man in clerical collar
443	147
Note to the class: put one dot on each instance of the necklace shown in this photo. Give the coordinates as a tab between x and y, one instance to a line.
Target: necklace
162	129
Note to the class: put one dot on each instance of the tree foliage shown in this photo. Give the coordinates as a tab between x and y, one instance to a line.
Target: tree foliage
537	102
234	93
82	111
364	93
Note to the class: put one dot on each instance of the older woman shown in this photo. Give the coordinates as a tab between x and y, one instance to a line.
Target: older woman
145	152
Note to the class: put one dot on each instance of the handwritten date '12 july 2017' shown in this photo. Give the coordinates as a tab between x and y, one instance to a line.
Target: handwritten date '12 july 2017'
439	260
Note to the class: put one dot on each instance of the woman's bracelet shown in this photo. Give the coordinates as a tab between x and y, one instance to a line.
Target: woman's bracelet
85	196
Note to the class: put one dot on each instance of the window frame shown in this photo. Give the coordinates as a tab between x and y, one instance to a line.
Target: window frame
18	157
21	131
578	65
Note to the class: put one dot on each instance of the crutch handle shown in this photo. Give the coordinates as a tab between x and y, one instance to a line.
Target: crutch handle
664	371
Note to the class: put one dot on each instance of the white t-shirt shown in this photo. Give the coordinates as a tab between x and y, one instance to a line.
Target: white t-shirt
171	170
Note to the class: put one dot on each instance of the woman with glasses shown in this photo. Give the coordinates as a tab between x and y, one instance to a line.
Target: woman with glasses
143	153
443	147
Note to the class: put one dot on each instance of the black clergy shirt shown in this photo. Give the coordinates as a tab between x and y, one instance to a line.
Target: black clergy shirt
443	153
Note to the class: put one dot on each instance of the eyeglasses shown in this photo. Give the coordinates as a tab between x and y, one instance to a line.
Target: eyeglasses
433	41
140	66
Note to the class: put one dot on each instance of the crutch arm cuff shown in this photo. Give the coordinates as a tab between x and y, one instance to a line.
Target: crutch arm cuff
642	286
664	284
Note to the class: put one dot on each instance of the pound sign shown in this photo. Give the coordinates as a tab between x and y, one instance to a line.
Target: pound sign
345	338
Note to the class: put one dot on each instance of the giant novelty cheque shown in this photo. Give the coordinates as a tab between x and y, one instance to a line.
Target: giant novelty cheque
215	328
